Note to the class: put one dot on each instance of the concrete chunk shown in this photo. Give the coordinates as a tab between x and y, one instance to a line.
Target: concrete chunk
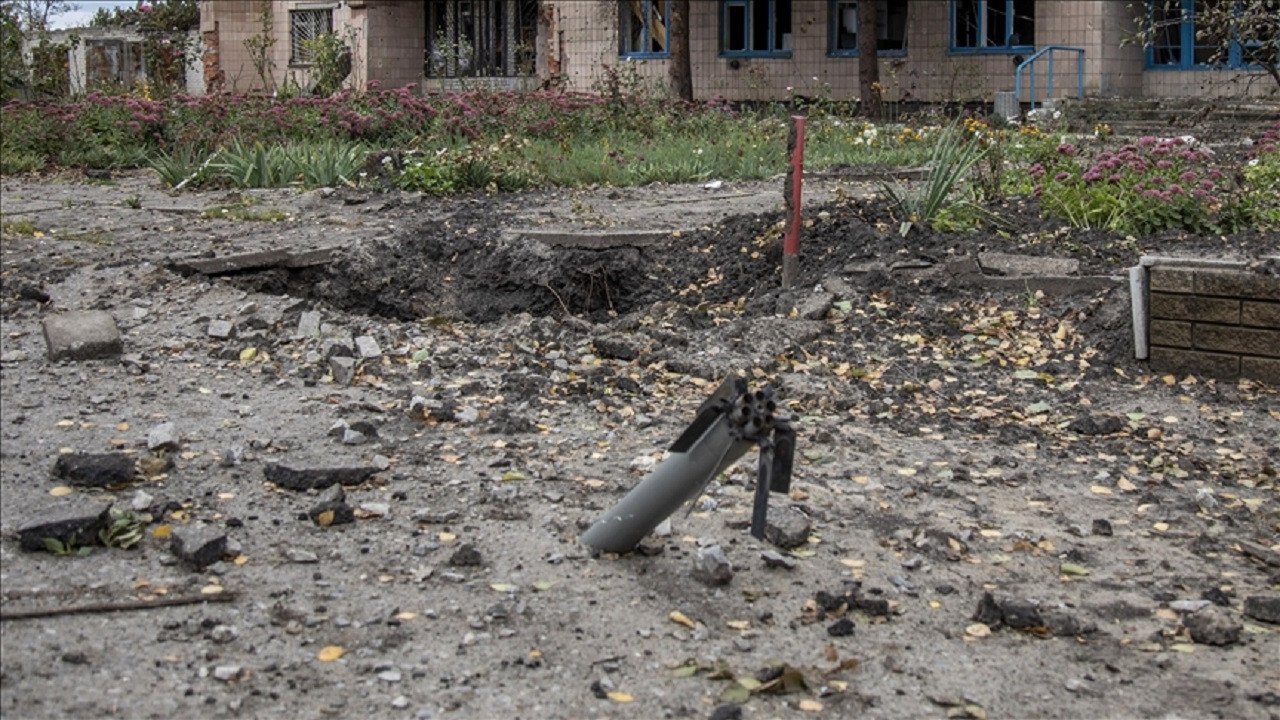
78	525
315	478
87	335
94	469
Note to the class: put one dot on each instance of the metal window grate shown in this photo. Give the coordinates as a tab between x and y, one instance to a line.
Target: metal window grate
481	38
306	25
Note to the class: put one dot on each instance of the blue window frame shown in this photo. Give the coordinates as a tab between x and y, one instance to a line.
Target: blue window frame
755	28
644	28
993	26
891	26
1175	47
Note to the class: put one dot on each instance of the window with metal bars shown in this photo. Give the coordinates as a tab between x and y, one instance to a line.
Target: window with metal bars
644	28
307	24
481	38
993	26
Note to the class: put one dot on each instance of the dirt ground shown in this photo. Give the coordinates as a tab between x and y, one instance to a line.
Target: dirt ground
955	440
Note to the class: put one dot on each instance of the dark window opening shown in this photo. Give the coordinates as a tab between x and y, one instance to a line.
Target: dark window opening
891	26
756	27
643	27
481	38
993	25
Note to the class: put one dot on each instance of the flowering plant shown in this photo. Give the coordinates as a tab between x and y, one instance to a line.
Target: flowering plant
1148	186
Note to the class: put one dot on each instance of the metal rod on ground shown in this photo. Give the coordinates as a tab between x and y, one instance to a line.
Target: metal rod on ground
791	190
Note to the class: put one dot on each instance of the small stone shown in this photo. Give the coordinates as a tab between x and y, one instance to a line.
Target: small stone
418	406
465	556
1102	526
223	633
87	335
231	457
343	369
467	415
727	711
840	628
227	673
389	676
74	657
198	546
775	559
382	462
1213	626
1020	614
141	501
1064	624
354	437
913	562
711	566
988	612
400	702
303	557
663	530
220	329
335	503
376	509
308	325
1189	606
367	348
94	469
1096	425
162	437
1263	607
338	428
787	528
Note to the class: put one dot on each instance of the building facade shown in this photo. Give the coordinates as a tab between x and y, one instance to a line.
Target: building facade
929	50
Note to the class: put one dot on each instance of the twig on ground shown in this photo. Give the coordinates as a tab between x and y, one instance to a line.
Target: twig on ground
108	607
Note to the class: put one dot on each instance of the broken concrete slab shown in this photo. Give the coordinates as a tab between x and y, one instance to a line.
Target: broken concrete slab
94	469
87	335
1055	285
74	525
343	369
367	347
308	325
814	306
993	263
292	478
258	260
220	329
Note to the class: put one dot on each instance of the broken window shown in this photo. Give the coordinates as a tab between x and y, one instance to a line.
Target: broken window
481	38
643	28
307	24
113	62
993	25
891	27
1177	42
759	28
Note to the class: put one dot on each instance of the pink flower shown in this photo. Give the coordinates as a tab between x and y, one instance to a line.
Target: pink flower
1067	149
1062	177
1164	164
1175	189
1146	140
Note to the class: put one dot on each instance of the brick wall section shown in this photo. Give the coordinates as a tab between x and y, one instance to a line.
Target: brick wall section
1222	323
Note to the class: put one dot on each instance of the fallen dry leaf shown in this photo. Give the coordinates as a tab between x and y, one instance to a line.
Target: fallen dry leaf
329	653
681	619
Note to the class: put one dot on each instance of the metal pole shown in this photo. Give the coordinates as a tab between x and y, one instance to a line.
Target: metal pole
1049	95
795	178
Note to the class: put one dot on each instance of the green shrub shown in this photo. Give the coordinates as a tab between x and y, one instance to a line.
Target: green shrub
954	154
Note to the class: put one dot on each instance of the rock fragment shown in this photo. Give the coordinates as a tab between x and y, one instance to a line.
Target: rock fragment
787	528
308	325
711	566
1263	607
332	510
88	335
1213	626
465	556
292	478
75	526
198	546
94	469
367	348
162	437
1096	425
220	329
343	369
775	559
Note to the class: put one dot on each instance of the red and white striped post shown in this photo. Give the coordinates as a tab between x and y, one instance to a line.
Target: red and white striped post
791	192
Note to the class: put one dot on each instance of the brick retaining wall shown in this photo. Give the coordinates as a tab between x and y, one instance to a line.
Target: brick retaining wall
1215	321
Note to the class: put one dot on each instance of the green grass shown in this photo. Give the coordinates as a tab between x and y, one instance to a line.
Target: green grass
243	212
18	227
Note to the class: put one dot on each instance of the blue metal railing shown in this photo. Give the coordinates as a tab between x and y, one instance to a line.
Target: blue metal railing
1030	63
